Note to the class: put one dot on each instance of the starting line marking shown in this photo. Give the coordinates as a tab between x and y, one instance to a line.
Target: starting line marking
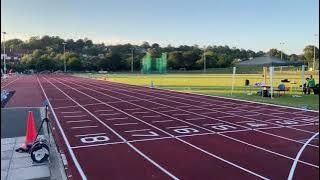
86	120
133	109
192	119
110	119
177	127
122	124
82	127
162	121
103	110
137	130
74	116
172	110
109	114
81	135
144	112
71	112
151	116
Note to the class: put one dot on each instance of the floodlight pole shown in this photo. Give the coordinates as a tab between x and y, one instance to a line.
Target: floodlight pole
204	60
64	57
4	53
314	52
132	60
282	43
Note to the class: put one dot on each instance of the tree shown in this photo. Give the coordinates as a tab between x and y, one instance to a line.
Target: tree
308	53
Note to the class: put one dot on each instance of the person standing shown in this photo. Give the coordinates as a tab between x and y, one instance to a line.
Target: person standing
311	84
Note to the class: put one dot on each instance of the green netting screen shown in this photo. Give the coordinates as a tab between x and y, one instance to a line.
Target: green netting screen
154	65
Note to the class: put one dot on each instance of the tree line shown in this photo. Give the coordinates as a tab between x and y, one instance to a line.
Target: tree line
47	53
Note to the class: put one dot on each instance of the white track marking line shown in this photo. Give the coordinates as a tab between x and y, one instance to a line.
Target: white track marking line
162	121
151	116
78	121
158	108
293	167
192	119
172	110
140	112
63	107
132	109
2	87
84	135
209	117
73	157
110	119
74	116
137	130
272	152
245	121
225	117
191	144
129	144
212	124
180	114
175	127
71	112
212	112
195	109
112	114
92	104
123	124
83	127
103	110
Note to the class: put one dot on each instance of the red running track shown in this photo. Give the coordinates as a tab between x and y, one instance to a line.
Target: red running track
118	131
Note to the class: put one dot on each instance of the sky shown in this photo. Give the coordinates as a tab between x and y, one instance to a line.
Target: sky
248	24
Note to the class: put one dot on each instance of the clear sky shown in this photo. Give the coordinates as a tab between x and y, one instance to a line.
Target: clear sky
248	24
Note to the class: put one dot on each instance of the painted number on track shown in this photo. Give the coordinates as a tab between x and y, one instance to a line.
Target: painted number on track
223	127
286	122
93	139
185	130
255	124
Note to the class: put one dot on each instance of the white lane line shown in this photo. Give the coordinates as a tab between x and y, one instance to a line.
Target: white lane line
177	127
186	106
108	114
180	114
73	157
226	161
212	112
122	138
225	116
151	116
245	121
103	110
74	116
293	167
92	104
123	124
83	135
195	109
110	119
192	119
172	110
86	120
132	109
71	112
140	112
212	124
64	107
83	127
137	130
162	121
158	108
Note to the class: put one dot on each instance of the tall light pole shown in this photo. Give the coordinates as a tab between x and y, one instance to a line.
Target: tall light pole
4	54
132	59
204	60
314	52
281	43
64	57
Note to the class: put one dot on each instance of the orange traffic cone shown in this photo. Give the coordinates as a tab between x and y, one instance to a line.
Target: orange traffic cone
30	134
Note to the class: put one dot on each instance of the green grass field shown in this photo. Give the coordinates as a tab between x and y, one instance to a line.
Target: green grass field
220	85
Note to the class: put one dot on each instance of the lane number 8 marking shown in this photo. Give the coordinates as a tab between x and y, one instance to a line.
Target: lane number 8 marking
93	139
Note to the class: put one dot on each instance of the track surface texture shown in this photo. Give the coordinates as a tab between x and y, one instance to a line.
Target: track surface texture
117	131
